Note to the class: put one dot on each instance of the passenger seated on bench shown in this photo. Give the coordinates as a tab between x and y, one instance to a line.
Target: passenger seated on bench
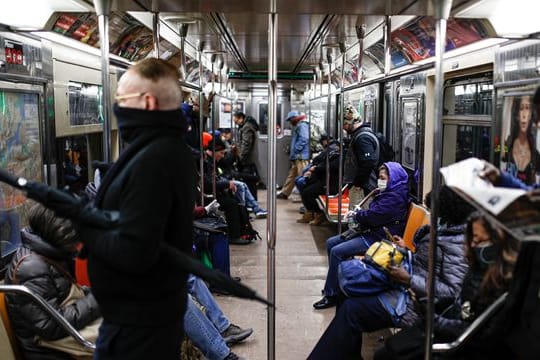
315	183
343	337
491	256
42	264
209	329
388	208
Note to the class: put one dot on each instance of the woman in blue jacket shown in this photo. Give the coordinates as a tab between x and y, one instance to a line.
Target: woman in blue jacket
388	208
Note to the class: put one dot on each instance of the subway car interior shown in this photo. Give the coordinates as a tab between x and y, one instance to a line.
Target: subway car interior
437	81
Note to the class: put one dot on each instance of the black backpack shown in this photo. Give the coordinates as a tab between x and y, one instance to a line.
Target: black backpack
385	150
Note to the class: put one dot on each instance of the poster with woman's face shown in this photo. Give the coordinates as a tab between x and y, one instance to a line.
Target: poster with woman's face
519	153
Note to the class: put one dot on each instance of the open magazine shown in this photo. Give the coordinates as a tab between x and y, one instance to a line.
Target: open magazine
516	210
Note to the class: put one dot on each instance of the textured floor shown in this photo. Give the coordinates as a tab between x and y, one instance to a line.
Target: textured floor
301	266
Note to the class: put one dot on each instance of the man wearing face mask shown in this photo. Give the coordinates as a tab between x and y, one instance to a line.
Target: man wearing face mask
140	292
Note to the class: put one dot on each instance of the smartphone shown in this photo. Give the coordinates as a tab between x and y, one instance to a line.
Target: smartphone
388	234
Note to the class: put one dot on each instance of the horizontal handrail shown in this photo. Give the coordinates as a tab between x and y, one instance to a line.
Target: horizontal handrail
473	328
21	289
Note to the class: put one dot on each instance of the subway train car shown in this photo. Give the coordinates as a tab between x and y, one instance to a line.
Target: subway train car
437	81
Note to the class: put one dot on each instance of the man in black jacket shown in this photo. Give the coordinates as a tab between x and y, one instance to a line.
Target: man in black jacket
141	294
362	155
246	149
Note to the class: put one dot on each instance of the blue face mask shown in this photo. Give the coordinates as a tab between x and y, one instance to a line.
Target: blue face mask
485	255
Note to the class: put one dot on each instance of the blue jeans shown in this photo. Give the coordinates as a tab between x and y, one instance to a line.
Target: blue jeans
338	250
202	332
343	337
198	289
245	197
205	329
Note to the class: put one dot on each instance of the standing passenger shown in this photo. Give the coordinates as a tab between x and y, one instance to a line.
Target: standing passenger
141	294
299	153
247	148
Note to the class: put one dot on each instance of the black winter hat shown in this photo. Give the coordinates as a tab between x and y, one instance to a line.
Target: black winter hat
216	144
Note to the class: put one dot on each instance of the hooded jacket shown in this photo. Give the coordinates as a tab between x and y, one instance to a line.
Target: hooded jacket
43	269
319	162
248	141
300	141
361	160
388	208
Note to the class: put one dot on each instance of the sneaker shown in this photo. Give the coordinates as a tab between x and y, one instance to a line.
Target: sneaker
239	241
261	214
281	195
233	356
302	210
234	334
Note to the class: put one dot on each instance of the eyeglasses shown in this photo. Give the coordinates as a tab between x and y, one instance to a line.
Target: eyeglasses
129	96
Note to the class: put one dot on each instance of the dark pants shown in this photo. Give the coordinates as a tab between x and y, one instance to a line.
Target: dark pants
230	206
116	342
343	337
310	193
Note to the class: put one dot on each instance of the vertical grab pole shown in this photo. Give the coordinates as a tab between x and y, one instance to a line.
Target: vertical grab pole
271	188
182	31
155	33
212	114
442	11
103	9
343	51
387	44
328	115
201	118
360	34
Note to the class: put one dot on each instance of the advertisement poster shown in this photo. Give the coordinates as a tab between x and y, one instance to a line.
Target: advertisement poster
520	154
225	114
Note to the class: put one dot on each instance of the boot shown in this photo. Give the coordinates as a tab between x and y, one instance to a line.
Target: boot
318	219
306	218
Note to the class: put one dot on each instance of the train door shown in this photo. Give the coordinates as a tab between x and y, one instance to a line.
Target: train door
467	118
412	119
391	125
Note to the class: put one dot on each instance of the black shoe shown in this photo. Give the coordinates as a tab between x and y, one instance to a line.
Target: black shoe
325	303
233	356
239	241
282	196
234	334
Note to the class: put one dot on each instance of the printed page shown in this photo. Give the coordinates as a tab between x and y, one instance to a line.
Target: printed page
464	176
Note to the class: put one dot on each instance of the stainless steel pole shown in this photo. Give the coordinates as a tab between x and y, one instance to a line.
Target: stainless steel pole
328	116
201	119
212	115
271	228
155	33
103	9
387	44
343	50
360	34
182	31
442	11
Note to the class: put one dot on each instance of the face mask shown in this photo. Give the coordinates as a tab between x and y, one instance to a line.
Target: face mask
381	184
485	255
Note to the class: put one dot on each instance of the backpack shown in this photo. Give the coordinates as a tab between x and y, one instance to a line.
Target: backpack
385	150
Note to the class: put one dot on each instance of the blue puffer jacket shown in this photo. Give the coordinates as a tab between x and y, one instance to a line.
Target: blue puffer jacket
300	142
450	268
388	208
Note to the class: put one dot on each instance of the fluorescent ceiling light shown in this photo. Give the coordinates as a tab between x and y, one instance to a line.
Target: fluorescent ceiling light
510	18
33	14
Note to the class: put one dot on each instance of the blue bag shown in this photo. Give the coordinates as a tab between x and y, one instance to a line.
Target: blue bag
357	278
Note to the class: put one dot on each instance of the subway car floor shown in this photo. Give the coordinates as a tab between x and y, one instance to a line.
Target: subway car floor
301	266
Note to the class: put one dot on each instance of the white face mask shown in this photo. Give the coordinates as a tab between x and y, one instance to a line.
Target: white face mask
381	184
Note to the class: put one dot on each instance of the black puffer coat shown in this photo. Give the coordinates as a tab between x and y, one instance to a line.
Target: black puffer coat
450	268
36	265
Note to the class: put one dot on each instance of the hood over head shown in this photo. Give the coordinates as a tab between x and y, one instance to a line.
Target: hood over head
398	178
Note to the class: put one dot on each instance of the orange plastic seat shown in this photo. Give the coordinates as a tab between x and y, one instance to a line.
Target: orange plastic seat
6	322
416	217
